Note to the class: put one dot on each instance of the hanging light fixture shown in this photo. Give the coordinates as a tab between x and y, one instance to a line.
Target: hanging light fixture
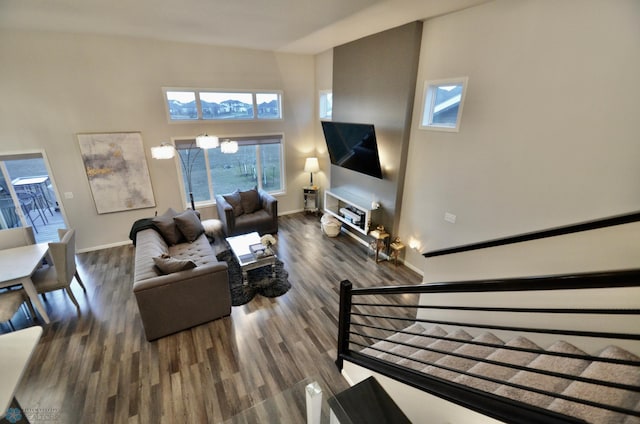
163	151
229	146
205	141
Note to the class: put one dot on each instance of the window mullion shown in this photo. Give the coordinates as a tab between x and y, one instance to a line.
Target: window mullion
209	178
259	166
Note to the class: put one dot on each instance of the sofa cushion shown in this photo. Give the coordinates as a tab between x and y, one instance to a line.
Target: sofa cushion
189	225
168	228
168	265
250	200
235	201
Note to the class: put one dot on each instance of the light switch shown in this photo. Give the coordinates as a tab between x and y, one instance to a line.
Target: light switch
68	195
449	217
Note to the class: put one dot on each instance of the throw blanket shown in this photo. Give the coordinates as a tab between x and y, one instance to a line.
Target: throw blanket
139	225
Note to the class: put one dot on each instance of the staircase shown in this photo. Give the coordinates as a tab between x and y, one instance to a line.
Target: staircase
514	369
525	363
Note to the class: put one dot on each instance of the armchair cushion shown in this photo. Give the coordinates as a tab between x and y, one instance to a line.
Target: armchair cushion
250	200
167	227
235	200
189	225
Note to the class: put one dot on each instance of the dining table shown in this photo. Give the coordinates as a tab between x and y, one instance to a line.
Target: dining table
17	265
16	350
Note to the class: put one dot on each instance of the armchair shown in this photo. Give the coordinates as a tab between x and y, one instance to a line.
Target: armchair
246	211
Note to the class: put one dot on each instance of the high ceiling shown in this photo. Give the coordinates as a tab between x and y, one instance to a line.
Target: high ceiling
295	26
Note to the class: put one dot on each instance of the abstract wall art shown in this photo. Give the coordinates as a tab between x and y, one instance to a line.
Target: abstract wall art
117	171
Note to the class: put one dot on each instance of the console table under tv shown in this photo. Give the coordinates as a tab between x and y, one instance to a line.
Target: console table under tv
351	209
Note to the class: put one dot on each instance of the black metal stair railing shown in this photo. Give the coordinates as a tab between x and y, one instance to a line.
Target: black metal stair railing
364	323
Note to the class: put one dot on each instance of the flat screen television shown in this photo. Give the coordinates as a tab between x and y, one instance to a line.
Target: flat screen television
353	146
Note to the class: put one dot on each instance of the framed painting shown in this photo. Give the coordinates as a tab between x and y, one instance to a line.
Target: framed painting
117	171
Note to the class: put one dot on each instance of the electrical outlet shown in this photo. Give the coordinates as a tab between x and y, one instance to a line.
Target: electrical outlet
68	195
449	217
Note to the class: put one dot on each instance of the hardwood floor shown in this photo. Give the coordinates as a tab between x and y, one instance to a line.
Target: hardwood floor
98	368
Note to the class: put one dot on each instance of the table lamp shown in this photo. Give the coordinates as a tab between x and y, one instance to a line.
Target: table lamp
311	165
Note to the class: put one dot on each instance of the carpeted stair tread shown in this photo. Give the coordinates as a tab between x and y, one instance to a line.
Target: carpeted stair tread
429	356
463	364
422	340
624	374
545	382
631	419
498	372
389	344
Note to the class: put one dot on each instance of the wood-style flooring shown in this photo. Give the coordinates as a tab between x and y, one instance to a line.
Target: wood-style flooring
98	367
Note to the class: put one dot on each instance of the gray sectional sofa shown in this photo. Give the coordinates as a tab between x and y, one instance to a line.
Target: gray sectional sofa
172	301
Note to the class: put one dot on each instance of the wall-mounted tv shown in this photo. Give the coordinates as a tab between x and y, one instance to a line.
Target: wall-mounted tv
353	146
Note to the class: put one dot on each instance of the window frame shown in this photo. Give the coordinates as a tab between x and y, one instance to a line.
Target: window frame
428	103
242	140
199	115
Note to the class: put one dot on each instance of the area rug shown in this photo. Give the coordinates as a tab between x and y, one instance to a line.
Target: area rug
260	280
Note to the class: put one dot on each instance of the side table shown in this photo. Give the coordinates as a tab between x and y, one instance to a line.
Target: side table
380	238
395	248
311	199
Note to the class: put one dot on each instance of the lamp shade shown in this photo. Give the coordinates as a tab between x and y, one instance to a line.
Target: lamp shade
311	165
229	146
207	141
164	151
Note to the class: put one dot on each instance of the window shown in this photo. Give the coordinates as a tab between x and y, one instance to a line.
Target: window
197	105
258	162
182	105
326	104
442	105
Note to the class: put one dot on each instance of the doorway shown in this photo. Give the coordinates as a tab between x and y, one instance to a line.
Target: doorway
28	196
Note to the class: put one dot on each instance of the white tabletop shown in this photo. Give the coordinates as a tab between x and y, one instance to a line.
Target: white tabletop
30	180
240	246
15	352
21	262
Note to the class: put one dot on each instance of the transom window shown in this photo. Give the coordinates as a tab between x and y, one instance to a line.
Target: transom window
258	162
184	105
442	104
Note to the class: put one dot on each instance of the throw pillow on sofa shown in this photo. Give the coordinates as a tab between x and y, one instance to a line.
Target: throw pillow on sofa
168	265
250	200
167	227
235	201
189	224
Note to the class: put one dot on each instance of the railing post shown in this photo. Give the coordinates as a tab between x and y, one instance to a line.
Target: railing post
344	320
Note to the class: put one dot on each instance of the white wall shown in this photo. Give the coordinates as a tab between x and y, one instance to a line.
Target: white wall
324	81
549	135
57	85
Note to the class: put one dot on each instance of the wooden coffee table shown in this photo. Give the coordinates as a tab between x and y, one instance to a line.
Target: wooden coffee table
240	246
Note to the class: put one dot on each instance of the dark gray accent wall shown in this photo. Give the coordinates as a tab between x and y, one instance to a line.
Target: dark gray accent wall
374	82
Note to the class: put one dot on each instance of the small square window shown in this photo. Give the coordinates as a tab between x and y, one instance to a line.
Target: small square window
442	106
326	104
182	105
268	105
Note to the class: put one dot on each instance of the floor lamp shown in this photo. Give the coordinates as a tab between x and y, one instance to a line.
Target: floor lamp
168	151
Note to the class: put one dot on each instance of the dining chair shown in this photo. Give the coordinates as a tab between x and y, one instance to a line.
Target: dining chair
8	210
29	206
61	233
10	301
61	274
16	237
